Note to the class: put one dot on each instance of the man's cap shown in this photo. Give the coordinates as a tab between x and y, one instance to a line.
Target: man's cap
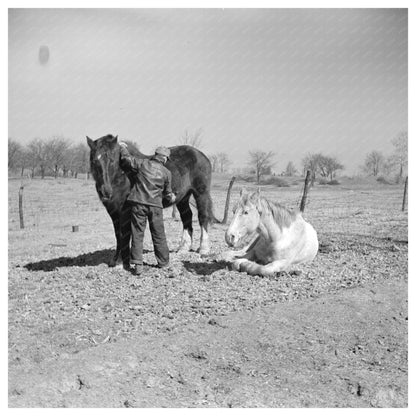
162	150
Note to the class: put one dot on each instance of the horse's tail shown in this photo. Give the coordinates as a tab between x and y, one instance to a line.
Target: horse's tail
212	218
209	209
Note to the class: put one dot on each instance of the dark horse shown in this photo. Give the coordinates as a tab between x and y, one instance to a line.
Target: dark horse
191	175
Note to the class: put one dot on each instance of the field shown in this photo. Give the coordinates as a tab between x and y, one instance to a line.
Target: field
82	334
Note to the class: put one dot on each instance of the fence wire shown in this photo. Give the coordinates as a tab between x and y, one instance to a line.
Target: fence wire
347	208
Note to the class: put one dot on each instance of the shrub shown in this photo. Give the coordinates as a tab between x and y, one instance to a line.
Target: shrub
276	181
244	178
383	180
324	181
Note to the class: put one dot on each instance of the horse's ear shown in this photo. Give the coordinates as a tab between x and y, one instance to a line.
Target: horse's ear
255	196
91	143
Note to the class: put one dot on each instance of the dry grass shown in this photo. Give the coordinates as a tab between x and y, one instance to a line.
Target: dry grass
63	298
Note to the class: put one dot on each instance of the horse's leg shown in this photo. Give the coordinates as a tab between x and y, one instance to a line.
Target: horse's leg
186	216
248	257
269	269
115	217
204	205
125	233
231	255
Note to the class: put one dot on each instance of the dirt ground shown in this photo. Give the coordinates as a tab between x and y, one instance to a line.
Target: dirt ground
344	349
334	334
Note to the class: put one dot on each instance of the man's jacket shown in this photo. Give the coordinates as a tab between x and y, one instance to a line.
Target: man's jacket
151	180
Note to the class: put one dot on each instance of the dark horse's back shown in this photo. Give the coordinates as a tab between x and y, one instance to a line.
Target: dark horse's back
191	172
191	175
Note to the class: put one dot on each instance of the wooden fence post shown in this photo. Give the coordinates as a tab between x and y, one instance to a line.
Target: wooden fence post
405	193
305	190
22	225
227	201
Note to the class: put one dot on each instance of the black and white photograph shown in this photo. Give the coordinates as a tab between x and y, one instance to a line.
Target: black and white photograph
207	207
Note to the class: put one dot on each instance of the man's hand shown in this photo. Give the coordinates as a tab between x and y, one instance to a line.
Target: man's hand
172	198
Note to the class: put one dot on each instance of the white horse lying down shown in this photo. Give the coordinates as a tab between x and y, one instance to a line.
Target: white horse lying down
279	238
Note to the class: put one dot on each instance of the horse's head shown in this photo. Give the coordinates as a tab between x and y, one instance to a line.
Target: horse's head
245	221
104	161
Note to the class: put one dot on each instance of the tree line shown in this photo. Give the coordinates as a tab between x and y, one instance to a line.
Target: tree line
376	163
326	167
57	156
54	156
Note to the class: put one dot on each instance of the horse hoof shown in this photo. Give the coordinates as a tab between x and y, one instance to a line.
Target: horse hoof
235	266
203	252
184	249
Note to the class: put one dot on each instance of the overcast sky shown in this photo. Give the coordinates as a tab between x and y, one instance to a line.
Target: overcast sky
288	80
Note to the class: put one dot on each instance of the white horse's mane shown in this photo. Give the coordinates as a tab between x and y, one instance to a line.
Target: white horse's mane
283	216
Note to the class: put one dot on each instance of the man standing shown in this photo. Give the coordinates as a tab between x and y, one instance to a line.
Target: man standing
151	182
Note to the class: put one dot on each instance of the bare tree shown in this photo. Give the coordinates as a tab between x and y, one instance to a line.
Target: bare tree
400	155
322	165
24	160
15	151
290	169
389	165
78	159
37	157
373	162
223	161
214	162
311	162
333	166
192	139
57	148
261	162
328	166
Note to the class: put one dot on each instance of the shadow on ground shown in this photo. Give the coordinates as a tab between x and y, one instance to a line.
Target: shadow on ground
87	259
94	258
205	268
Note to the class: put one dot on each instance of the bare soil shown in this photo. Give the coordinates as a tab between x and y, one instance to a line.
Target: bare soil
332	334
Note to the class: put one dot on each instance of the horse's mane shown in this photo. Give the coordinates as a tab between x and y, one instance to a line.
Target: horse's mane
283	216
108	141
109	138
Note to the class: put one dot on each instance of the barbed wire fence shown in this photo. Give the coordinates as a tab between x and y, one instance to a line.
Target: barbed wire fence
49	202
373	210
379	211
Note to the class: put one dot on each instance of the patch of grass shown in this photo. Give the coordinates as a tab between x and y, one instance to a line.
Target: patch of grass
324	181
383	180
276	181
242	178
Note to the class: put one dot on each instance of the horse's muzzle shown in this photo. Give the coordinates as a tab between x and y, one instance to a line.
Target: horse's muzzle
105	193
231	239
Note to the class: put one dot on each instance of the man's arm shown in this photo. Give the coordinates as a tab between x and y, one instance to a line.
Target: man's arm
127	162
167	192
